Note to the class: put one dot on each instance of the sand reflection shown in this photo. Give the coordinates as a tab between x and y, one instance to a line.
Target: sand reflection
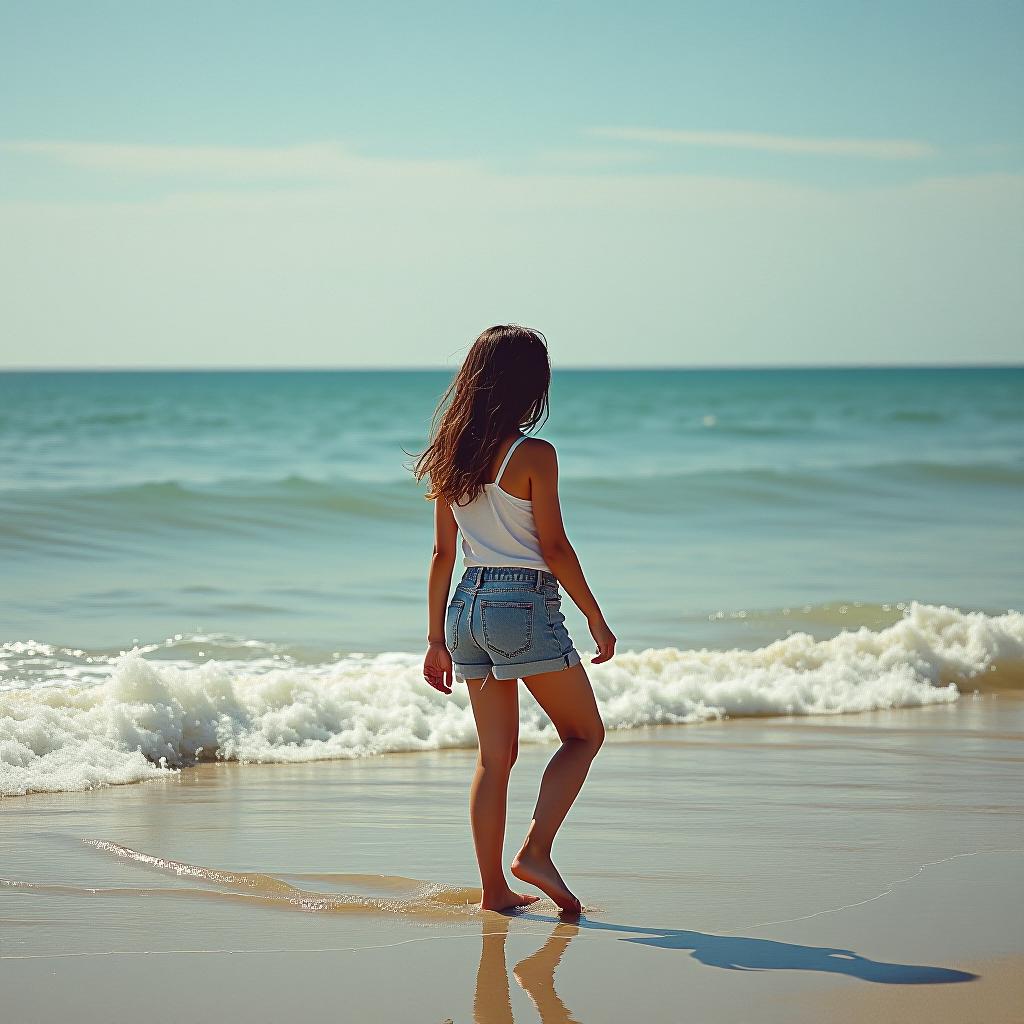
535	975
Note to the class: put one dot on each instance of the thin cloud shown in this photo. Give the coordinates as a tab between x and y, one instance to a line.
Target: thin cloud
877	149
308	161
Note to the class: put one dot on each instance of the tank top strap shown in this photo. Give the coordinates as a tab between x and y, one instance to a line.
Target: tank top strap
508	455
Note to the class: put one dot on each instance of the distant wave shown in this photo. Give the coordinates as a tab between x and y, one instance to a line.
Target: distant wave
83	522
355	493
918	416
147	719
333	493
977	473
50	516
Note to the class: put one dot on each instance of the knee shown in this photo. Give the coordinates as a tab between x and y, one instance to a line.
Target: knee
591	738
499	761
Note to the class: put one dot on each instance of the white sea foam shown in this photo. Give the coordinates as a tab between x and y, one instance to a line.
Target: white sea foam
149	718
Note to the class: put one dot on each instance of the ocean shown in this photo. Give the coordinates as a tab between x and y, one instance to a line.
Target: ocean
232	565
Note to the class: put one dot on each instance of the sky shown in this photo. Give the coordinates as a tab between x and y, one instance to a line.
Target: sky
372	184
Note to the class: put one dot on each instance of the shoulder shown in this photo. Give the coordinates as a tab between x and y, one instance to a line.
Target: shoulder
539	455
538	448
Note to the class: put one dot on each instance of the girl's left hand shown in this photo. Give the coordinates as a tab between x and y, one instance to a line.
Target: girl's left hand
437	667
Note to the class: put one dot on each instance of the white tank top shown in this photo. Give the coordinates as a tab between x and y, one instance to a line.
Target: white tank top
497	527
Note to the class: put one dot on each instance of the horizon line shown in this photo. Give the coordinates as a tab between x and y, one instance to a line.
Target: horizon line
420	367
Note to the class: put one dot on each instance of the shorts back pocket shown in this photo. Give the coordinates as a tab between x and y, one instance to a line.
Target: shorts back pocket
508	626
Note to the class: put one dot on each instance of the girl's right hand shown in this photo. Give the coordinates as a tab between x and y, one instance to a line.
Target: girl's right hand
604	638
437	667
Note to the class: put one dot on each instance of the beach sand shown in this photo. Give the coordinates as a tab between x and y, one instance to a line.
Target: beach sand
841	868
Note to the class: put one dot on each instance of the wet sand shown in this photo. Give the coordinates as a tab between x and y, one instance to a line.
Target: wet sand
791	870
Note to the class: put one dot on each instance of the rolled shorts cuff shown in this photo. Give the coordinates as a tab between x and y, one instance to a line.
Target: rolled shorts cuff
533	668
517	671
464	672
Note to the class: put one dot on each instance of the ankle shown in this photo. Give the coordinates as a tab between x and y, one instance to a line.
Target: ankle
535	849
496	888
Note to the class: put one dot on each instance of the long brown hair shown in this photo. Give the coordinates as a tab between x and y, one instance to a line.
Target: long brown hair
502	386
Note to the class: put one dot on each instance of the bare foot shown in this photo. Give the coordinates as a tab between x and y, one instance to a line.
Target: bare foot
538	870
506	900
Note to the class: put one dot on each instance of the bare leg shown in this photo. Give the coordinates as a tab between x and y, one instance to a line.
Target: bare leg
496	710
567	698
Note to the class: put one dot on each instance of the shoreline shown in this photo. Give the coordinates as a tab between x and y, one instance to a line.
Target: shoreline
636	735
1011	690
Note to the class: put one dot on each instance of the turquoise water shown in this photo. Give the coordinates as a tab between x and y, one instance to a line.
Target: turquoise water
233	565
276	506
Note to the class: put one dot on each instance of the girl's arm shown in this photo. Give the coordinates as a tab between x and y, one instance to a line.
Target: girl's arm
556	549
437	665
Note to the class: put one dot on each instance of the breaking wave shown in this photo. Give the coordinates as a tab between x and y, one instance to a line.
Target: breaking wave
147	719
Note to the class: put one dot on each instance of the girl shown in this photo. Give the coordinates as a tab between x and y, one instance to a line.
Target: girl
504	622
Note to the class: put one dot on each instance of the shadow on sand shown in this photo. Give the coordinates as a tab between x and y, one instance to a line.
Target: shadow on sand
536	973
738	953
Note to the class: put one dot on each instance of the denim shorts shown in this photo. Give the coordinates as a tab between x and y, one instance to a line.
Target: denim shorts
507	621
